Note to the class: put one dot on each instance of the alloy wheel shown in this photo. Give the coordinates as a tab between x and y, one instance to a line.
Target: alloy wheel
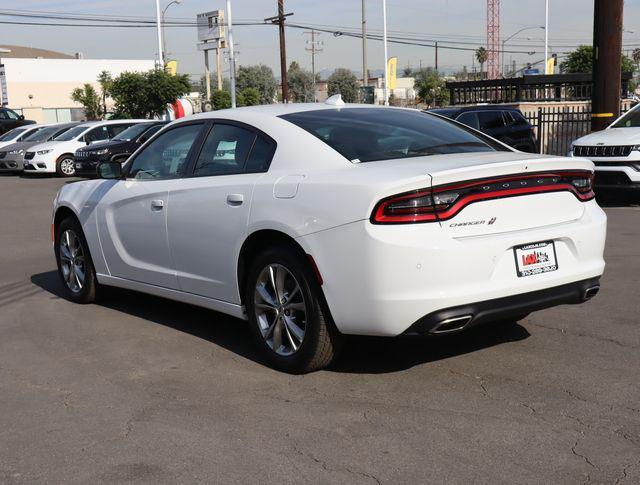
67	166
72	261
280	309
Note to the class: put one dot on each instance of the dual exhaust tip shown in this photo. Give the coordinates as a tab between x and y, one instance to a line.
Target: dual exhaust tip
458	324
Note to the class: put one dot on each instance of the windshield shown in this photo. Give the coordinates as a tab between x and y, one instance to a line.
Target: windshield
10	135
71	134
372	134
630	120
132	132
43	134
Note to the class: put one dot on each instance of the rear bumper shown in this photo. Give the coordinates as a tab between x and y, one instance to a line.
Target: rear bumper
381	280
462	317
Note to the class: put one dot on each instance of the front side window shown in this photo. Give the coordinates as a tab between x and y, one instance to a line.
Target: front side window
225	151
97	134
372	134
166	156
115	130
629	120
131	133
469	119
149	133
490	120
12	115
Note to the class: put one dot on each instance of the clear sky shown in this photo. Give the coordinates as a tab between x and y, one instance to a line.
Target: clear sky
448	21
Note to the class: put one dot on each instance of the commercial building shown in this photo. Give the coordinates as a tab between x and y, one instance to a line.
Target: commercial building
39	82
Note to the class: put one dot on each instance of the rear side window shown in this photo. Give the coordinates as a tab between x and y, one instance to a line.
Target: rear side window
3	114
519	118
372	134
230	149
469	119
490	120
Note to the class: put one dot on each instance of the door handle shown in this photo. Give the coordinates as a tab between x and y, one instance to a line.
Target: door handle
157	205
235	199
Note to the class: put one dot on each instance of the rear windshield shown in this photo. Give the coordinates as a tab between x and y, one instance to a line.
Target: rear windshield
630	120
72	133
372	134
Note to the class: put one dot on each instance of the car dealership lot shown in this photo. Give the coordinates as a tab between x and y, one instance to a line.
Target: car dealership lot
142	389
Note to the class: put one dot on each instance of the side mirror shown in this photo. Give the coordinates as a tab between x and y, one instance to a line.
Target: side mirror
21	117
110	170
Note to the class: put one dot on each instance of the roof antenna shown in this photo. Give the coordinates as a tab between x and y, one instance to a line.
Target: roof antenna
335	100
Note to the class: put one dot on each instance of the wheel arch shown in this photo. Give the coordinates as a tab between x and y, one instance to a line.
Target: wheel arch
254	244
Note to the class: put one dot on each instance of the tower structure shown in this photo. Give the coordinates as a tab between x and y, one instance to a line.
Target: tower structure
493	39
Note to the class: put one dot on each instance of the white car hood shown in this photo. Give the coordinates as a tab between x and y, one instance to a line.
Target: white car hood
612	136
45	146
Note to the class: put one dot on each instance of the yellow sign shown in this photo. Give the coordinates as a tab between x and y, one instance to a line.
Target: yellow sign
392	67
551	65
172	67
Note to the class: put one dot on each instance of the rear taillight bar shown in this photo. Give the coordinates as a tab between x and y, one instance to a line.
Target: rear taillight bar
446	201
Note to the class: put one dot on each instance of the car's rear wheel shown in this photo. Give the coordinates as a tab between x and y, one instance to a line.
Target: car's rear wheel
287	313
66	166
75	267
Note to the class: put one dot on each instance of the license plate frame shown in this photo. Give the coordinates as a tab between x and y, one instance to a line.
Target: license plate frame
541	258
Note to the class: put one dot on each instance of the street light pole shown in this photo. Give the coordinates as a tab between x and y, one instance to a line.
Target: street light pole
159	26
232	58
546	34
511	37
365	76
164	11
386	54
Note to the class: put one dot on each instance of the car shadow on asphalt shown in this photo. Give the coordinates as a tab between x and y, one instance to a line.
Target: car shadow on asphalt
361	355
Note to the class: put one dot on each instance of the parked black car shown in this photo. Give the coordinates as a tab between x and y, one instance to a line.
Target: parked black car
9	120
118	149
504	123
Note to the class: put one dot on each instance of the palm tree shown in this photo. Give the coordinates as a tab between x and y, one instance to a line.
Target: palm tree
482	55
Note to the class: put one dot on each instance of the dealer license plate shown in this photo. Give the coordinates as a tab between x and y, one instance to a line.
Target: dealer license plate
535	258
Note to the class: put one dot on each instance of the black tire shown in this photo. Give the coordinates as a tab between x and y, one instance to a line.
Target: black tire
62	163
89	288
322	341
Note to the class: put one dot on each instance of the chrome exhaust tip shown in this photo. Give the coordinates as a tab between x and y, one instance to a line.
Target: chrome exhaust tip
591	292
452	325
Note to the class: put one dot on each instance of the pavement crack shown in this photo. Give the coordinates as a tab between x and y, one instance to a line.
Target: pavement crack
363	474
625	470
585	335
585	458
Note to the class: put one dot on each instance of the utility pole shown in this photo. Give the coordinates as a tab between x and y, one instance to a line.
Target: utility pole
279	19
386	54
607	60
365	74
314	49
232	58
436	55
159	27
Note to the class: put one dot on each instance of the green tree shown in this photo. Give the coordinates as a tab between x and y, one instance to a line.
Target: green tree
301	84
431	87
482	55
105	80
259	77
146	94
636	57
88	97
581	60
344	82
221	99
251	96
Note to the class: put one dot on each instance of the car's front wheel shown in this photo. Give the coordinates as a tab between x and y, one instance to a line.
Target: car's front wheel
287	313
66	166
75	267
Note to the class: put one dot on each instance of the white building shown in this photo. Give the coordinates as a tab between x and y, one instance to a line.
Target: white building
39	83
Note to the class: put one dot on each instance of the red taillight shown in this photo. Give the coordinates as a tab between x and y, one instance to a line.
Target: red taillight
444	202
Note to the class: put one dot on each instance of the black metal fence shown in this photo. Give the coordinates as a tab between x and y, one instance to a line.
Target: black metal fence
555	88
558	126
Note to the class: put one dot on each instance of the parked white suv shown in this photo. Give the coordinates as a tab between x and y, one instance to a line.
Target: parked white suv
57	156
615	153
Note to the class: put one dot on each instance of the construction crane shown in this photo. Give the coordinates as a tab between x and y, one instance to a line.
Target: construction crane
493	39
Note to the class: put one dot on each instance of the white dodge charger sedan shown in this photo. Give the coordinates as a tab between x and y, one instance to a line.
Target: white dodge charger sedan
316	221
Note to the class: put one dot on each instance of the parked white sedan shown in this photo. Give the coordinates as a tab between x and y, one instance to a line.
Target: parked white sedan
317	221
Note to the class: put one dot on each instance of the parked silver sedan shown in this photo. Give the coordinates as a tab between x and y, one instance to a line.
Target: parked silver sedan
12	156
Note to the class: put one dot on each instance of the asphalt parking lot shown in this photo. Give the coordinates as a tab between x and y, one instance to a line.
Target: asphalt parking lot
144	390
